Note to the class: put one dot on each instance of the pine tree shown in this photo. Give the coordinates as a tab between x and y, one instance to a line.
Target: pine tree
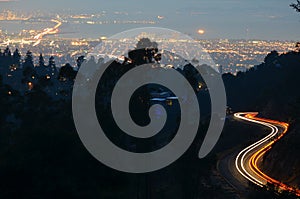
41	61
79	61
51	62
7	58
17	58
7	52
28	67
52	66
28	60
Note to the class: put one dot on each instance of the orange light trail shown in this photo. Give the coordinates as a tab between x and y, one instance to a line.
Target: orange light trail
254	159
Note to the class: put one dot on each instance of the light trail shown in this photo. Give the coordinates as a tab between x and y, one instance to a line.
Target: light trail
6	42
47	31
248	159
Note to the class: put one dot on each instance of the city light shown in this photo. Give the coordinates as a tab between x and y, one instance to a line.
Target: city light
30	85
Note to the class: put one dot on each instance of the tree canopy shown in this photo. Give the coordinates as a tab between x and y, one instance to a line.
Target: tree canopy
296	6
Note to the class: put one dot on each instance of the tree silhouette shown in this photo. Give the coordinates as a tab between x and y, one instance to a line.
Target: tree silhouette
67	73
41	61
298	46
7	52
16	58
79	61
296	6
52	66
6	57
146	43
146	52
28	66
271	57
28	60
51	62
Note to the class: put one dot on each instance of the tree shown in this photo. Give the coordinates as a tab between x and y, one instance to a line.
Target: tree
17	58
28	65
51	62
7	52
41	61
79	61
7	58
52	66
271	57
146	43
146	52
28	60
67	73
296	6
29	74
298	46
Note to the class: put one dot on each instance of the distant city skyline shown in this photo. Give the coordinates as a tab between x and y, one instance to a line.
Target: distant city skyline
232	19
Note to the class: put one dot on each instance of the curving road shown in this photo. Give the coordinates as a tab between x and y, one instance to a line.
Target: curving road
47	31
247	161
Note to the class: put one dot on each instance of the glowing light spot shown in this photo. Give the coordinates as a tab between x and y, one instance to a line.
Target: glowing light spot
201	31
30	85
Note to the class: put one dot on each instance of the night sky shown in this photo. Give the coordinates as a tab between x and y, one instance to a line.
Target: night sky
233	19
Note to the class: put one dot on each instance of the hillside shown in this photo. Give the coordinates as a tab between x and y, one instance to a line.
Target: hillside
272	88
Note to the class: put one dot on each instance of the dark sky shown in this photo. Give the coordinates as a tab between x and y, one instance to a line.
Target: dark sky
256	19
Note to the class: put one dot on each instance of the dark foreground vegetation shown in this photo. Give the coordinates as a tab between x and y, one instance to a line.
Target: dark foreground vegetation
41	155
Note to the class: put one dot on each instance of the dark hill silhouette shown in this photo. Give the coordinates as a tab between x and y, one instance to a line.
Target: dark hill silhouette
272	88
41	155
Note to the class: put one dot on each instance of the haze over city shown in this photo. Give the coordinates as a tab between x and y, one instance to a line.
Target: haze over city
231	19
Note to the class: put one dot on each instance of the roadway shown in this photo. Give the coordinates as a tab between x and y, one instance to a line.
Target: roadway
243	167
47	31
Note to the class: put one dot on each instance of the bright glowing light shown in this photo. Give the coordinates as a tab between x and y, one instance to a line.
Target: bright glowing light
47	31
258	149
30	85
200	85
201	31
